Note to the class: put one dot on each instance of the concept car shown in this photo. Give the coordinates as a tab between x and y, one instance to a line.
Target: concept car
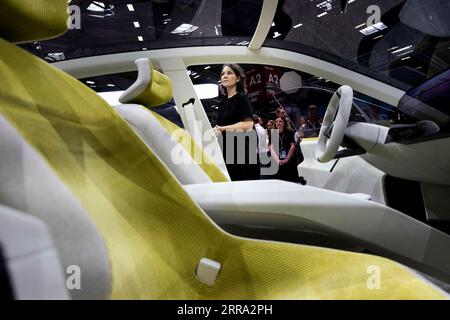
113	185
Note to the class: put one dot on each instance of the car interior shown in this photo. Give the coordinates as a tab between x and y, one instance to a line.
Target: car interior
113	184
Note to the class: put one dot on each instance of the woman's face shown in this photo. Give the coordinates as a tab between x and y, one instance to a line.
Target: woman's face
279	124
228	78
270	125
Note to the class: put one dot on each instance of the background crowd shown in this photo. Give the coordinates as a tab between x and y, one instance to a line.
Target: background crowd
287	152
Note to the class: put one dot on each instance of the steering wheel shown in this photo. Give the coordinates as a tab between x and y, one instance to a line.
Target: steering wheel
334	124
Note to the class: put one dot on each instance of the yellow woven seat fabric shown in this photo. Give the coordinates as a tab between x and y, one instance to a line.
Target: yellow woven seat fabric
29	20
152	91
154	232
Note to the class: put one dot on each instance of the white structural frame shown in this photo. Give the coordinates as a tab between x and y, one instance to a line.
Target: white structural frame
178	59
268	11
174	63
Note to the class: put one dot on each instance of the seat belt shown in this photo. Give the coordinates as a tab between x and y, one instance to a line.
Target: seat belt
191	120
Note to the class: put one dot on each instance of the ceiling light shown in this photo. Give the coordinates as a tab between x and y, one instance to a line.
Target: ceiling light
96	6
206	90
402	49
56	56
360	25
185	28
136	24
90	82
322	14
130	7
373	28
327	5
380	25
297	25
276	34
140	38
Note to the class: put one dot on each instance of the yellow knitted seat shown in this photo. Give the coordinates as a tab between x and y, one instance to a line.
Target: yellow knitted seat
155	234
151	89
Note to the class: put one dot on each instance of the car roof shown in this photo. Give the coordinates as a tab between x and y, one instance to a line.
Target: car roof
378	41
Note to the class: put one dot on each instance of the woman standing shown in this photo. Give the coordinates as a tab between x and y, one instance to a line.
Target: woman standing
285	155
234	118
269	127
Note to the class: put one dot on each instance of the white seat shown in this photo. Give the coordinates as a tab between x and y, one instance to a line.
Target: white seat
28	185
281	205
152	89
170	152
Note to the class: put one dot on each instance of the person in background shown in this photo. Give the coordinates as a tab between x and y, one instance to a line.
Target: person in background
269	126
262	141
234	118
281	112
298	136
285	155
313	123
300	133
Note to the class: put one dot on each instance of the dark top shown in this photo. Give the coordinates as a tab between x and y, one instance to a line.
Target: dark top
286	139
233	110
287	171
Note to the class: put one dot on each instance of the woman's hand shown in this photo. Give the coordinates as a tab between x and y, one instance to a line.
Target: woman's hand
283	162
217	131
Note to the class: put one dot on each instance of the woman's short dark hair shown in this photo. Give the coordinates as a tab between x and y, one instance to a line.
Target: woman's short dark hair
237	69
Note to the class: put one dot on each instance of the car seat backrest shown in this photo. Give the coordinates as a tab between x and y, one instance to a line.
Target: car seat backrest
27	183
174	146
